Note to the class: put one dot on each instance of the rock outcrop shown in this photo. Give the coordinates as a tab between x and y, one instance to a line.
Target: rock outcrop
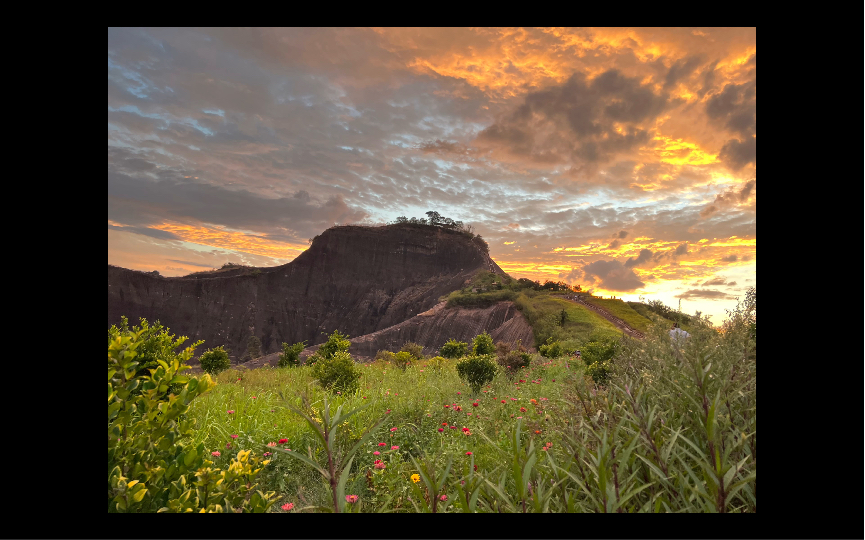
358	280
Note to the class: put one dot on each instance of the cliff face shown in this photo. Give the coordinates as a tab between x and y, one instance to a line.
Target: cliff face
354	279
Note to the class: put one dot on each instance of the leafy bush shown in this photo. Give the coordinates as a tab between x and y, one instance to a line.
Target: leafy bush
339	373
552	349
253	349
454	349
384	356
415	350
512	359
214	361
437	363
402	359
483	344
600	371
479	300
598	351
290	356
477	370
149	470
335	343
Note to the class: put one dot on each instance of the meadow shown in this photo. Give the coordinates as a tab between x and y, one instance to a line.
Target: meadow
670	428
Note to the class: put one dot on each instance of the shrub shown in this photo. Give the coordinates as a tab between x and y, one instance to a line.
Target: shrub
437	363
215	361
600	371
384	356
600	350
335	343
454	349
402	359
477	370
253	349
290	356
149	469
551	349
413	349
338	373
483	344
512	359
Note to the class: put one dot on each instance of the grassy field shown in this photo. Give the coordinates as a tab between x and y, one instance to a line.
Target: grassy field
621	310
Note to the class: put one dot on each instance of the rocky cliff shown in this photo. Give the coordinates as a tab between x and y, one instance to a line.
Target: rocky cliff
355	279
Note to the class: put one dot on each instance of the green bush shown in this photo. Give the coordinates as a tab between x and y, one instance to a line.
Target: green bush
384	356
437	363
338	373
402	359
454	349
600	371
483	344
290	356
601	350
253	349
413	349
149	469
335	343
214	361
477	370
551	349
512	359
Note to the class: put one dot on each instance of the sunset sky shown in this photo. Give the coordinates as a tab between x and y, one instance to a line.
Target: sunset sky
623	160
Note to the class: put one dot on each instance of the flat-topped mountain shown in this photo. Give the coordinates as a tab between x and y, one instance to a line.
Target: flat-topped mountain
354	279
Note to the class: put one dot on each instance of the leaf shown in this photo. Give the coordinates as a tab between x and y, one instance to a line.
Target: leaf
305	459
340	488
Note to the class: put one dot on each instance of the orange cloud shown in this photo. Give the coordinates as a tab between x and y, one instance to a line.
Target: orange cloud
240	241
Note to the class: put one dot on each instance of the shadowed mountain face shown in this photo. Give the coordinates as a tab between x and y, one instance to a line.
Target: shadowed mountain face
354	279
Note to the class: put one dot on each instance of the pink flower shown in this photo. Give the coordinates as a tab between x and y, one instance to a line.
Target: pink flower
441	429
393	429
230	412
394	447
443	498
351	499
233	436
459	393
288	506
228	445
453	427
364	397
379	464
267	454
468	453
215	453
475	404
376	453
271	444
253	397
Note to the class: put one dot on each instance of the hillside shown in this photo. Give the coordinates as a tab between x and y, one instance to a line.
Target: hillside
355	279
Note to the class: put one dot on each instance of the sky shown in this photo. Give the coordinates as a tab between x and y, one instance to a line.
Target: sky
620	159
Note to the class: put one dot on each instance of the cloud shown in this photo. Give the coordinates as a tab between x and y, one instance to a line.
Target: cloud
622	234
730	198
735	107
644	256
730	258
613	276
704	294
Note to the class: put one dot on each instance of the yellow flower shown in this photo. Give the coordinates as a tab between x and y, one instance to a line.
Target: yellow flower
415	478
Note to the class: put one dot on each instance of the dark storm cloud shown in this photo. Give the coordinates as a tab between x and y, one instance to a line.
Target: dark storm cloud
613	275
681	69
644	256
622	234
703	294
153	233
575	121
736	108
614	244
736	154
730	198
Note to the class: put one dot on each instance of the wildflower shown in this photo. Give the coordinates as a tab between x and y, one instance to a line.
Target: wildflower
388	412
554	380
376	453
468	413
453	427
475	404
364	397
544	399
227	445
379	464
522	409
534	401
443	498
537	432
215	453
518	417
476	468
459	393
271	410
441	429
351	499
392	429
394	447
253	397
267	454
231	412
503	401
415	478
513	399
468	453
283	441
382	444
465	429
233	436
288	506
447	406
444	423
522	380
271	444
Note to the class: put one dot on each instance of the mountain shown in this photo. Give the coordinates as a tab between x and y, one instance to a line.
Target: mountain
355	279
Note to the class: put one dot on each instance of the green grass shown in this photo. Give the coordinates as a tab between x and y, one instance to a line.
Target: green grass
623	311
542	309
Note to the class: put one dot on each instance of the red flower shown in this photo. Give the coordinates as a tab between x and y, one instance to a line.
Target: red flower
283	441
468	453
393	429
441	429
444	423
447	406
522	409
474	404
382	444
503	401
443	498
476	468
537	432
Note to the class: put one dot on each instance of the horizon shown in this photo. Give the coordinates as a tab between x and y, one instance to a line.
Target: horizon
621	160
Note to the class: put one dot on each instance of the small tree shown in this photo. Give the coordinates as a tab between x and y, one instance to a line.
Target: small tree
290	356
454	349
415	350
477	370
214	361
335	343
483	344
402	359
338	373
563	316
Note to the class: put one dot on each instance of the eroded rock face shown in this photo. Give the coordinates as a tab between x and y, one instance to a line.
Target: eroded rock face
354	279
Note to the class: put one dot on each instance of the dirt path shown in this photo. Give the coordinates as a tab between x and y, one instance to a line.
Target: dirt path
622	325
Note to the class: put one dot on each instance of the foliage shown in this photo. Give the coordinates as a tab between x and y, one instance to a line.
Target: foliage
339	373
335	343
512	359
551	349
253	349
415	350
148	469
385	356
477	370
600	371
479	300
483	345
454	349
438	363
600	350
290	356
622	310
403	359
215	360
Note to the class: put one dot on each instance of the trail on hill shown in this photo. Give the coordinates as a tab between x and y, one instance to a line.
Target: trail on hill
622	325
